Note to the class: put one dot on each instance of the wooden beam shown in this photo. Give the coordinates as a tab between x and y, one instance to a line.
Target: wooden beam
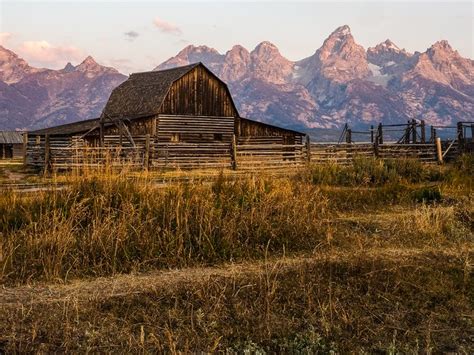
423	131
25	146
146	162
233	153
439	151
46	154
308	149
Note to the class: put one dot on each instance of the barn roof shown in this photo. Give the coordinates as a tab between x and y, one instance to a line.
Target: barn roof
70	128
11	137
143	93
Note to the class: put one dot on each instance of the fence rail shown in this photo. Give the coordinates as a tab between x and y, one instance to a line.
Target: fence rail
243	153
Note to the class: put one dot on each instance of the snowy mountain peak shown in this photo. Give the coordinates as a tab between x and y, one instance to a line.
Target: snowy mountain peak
387	54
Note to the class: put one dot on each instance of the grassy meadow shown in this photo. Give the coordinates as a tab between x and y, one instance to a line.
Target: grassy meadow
371	257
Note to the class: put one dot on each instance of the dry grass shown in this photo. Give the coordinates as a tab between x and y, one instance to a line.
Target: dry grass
411	301
301	263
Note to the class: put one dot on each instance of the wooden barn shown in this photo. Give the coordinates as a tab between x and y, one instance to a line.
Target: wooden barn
182	117
11	145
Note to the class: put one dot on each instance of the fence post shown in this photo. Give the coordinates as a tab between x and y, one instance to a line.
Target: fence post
472	132
46	153
25	146
233	153
439	152
460	135
349	136
308	149
413	130
101	132
380	134
423	131
371	133
147	152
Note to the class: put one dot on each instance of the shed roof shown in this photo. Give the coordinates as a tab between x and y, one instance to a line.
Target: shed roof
11	137
143	93
70	128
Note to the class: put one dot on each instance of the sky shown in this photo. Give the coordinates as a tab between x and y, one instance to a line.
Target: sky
138	35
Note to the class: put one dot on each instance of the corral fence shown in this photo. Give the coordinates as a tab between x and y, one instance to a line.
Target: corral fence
243	153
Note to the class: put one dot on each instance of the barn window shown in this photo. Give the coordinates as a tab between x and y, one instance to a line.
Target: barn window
175	138
218	137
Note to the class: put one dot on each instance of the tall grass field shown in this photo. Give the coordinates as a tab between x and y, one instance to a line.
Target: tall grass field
372	257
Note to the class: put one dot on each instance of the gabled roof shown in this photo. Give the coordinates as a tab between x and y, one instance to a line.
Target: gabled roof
69	128
11	137
143	93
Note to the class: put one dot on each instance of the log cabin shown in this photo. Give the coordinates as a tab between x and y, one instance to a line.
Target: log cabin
183	114
11	145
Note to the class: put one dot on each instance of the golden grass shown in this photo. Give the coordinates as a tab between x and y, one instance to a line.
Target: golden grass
302	263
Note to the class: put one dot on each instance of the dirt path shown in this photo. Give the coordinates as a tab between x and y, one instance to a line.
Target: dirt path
120	285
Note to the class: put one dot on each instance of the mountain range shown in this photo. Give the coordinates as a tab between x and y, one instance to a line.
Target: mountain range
341	82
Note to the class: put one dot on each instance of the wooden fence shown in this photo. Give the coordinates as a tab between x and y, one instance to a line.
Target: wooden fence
244	153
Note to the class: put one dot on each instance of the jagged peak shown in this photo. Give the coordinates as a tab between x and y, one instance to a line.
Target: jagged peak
390	45
442	45
88	64
266	44
69	67
196	49
89	60
8	52
238	48
341	31
265	48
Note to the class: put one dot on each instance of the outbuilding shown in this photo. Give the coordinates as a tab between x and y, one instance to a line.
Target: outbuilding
11	145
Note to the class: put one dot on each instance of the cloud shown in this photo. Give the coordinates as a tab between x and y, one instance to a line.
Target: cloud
45	54
131	35
5	37
167	27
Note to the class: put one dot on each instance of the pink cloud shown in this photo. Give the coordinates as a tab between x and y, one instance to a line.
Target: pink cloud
5	37
167	27
45	54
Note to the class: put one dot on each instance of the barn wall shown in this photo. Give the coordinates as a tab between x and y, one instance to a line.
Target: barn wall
198	93
137	127
247	128
195	129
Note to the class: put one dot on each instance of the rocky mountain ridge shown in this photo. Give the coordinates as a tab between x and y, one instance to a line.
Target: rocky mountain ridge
341	82
34	97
